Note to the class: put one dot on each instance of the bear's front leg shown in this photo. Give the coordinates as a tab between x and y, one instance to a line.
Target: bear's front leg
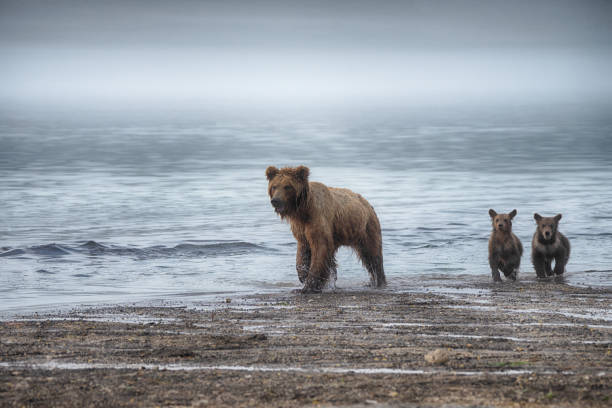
302	261
538	261
560	258
320	263
511	266
547	266
494	264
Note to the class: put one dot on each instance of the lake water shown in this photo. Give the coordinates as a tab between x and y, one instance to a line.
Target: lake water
113	208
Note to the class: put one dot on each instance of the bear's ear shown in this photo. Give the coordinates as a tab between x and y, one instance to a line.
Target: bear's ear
302	173
271	172
512	213
537	217
492	213
558	217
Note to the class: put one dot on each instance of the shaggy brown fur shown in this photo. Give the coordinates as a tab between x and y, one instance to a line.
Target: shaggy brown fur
323	219
548	244
505	249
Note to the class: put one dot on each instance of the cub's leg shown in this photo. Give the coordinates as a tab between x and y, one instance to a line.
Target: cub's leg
560	261
538	260
511	266
494	264
547	266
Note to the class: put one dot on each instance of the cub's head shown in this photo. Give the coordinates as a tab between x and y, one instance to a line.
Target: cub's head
502	222
547	226
288	188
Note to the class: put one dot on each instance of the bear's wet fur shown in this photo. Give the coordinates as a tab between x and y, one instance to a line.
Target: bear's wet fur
505	249
322	219
549	244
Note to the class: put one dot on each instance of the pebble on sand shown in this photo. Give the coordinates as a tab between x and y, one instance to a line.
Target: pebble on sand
438	356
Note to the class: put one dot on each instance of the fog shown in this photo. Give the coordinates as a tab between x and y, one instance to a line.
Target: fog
188	54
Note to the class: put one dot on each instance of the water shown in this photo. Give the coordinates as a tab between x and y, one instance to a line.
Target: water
119	208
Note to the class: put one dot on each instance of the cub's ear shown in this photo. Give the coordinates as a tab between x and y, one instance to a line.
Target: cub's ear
512	213
492	213
558	217
302	173
537	217
271	172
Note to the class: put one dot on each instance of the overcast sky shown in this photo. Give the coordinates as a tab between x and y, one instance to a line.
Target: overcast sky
113	53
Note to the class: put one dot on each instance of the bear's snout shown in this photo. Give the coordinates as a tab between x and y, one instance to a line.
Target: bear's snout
276	202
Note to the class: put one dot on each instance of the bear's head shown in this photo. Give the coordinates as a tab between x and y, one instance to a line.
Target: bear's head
547	227
502	222
288	189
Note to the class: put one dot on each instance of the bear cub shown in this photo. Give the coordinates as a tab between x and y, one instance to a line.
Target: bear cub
548	244
505	249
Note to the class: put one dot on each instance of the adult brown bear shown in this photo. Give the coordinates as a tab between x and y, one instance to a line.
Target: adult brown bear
323	219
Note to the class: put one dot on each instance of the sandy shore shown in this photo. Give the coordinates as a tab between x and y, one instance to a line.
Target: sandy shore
523	344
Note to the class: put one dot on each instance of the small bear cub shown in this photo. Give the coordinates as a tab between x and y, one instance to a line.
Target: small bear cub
505	249
548	244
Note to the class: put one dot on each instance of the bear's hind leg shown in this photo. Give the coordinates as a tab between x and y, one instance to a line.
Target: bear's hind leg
373	261
369	250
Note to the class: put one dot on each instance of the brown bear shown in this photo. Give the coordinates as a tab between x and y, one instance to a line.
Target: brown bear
505	249
322	219
548	244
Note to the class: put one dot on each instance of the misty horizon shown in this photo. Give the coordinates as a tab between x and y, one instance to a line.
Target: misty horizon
202	54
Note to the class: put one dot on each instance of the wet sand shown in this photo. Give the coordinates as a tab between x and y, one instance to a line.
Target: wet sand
501	345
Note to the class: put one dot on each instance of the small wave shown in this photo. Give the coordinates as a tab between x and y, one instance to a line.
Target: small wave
595	235
597	271
48	250
93	246
413	245
225	247
13	252
93	249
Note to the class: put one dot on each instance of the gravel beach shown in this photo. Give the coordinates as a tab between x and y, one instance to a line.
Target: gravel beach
468	344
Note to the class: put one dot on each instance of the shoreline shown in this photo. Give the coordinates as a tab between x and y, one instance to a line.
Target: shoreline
428	283
512	344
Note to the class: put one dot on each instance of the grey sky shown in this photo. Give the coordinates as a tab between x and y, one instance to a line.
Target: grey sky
275	51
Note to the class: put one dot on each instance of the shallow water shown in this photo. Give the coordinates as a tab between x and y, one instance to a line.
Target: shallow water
55	365
118	209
